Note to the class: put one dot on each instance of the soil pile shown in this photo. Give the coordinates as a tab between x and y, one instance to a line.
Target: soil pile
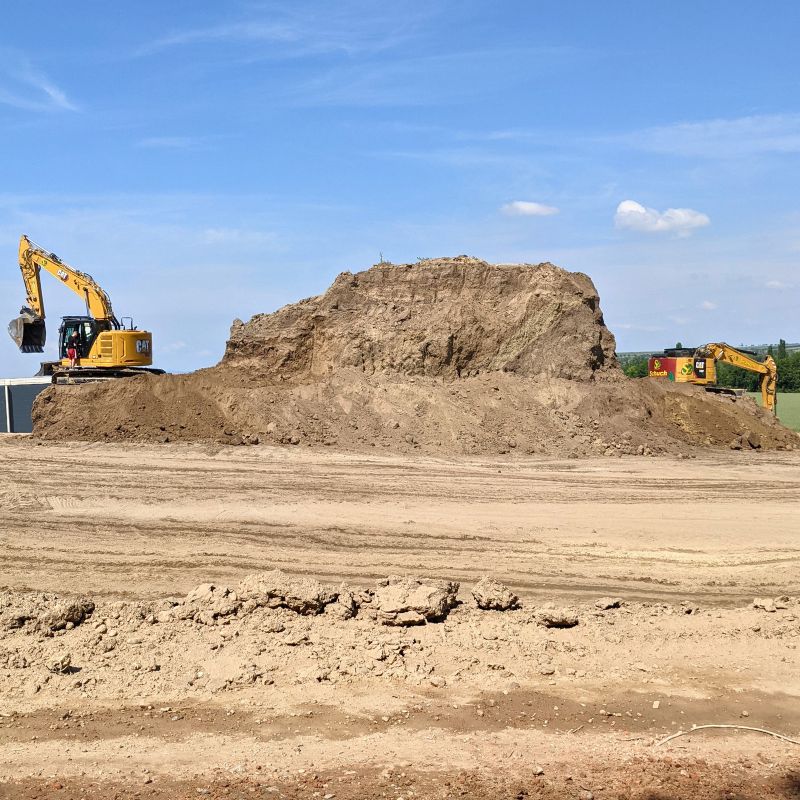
440	317
444	356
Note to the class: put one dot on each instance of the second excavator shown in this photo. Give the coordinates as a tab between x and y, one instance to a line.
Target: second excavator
698	366
105	347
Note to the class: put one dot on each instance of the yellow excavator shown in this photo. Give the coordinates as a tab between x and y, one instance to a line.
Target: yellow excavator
105	347
684	365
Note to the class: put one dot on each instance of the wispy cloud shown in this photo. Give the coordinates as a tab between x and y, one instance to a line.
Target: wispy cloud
171	142
776	285
235	31
708	305
348	28
460	157
528	208
681	221
172	347
430	78
722	138
630	326
27	88
241	236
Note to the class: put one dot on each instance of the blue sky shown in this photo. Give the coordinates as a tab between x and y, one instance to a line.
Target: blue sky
210	160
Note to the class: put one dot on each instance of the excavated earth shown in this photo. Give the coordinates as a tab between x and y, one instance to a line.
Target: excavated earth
194	620
412	589
445	356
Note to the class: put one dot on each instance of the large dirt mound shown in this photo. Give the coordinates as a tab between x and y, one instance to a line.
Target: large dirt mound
444	356
439	317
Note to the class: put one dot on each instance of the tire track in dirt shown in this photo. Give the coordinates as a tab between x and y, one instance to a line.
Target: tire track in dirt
148	517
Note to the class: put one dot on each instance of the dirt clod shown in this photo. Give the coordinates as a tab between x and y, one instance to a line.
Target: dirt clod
556	618
490	594
607	603
413	601
277	590
766	604
44	612
60	665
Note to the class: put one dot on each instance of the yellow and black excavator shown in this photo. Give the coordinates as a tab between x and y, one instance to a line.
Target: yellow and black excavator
105	347
698	366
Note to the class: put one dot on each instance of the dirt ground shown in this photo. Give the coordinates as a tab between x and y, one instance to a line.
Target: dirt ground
156	703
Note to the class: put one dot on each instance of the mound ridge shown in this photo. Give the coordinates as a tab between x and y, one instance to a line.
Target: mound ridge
439	318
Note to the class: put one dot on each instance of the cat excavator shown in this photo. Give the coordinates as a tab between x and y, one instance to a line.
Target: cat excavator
105	347
698	366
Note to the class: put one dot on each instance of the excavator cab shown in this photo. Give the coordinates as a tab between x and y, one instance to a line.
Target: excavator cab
88	330
28	331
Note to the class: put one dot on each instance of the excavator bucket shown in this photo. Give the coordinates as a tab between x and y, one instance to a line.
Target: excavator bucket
28	331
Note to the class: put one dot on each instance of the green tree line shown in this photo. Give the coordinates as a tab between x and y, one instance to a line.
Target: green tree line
736	378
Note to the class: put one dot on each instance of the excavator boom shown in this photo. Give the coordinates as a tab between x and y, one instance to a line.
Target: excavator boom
28	329
767	369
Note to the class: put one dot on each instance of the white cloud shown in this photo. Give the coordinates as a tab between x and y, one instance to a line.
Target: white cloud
707	305
527	208
776	285
681	221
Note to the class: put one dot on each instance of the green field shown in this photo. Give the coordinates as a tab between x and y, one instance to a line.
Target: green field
788	408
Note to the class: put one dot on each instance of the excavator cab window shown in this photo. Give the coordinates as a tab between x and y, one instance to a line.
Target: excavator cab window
87	332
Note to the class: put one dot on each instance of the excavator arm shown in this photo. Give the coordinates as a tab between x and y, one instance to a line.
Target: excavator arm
768	369
28	330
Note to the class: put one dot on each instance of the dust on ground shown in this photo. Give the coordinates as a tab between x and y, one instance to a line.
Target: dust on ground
188	620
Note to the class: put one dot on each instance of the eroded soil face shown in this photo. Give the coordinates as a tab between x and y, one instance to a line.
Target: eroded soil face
141	691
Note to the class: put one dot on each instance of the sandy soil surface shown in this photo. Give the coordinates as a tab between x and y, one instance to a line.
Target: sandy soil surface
152	694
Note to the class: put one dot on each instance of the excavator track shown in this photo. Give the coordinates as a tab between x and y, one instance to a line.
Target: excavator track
726	390
72	377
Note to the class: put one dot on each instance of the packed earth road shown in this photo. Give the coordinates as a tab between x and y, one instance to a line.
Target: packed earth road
163	633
